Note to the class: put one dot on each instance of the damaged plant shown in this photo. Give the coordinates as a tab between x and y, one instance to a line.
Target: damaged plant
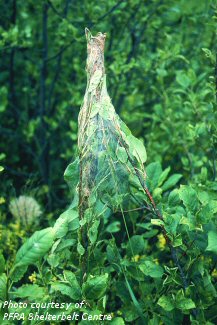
104	248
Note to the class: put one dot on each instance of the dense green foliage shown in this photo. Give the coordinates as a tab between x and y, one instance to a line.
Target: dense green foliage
160	65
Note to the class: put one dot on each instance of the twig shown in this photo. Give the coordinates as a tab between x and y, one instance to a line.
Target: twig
111	10
136	41
54	9
64	48
58	65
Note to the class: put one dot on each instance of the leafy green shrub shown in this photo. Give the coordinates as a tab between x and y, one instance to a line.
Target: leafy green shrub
143	258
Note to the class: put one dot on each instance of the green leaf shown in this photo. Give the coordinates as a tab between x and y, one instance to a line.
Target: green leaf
135	245
171	223
71	174
205	214
184	303
174	198
68	221
177	241
66	243
71	278
117	321
2	264
163	176
30	291
114	227
208	286
157	192
3	98
112	254
157	222
137	148
135	302
151	269
18	272
189	197
80	249
95	286
64	289
3	287
183	79
1	169
212	242
121	154
154	172
172	180
166	303
35	247
53	260
93	231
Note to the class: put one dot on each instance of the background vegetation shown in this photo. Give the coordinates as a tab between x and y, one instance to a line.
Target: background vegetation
161	69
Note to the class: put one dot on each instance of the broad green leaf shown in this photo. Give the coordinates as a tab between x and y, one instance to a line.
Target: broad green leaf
117	321
172	180
1	169
80	249
212	242
171	223
3	286
174	198
213	206
2	264
71	278
157	192
154	321
35	247
154	171
135	302
125	131
166	303
163	176
137	148
183	79
65	243
177	241
71	174
135	245
184	303
93	231
68	221
208	286
65	289
121	154
95	286
114	227
204	197
18	272
157	222
112	254
53	260
205	214
30	291
151	269
189	197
